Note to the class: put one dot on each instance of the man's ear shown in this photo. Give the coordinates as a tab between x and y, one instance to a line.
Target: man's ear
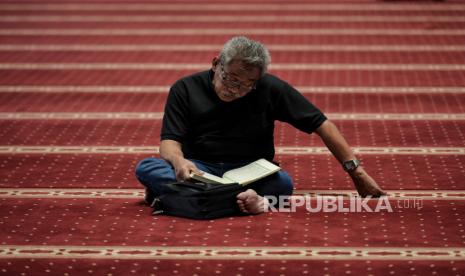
215	62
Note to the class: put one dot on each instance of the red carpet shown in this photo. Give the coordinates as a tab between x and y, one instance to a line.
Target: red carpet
82	89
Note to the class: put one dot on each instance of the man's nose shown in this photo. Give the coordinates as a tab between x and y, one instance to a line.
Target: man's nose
235	90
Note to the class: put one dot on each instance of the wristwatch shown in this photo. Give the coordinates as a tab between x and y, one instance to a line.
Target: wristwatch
350	165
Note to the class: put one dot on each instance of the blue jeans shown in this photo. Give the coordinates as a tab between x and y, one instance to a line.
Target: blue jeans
153	173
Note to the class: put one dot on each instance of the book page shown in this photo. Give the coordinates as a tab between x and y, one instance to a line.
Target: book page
251	172
209	178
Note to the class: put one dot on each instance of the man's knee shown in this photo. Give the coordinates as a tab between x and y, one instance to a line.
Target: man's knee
286	186
153	173
148	166
141	168
275	185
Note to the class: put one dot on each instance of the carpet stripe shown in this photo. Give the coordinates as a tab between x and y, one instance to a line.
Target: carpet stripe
139	193
225	252
407	194
165	89
231	7
202	66
223	32
230	18
213	47
279	150
159	115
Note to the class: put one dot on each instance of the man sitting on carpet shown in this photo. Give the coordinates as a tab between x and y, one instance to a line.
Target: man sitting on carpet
223	118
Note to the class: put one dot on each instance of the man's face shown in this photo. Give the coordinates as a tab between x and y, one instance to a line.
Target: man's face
235	80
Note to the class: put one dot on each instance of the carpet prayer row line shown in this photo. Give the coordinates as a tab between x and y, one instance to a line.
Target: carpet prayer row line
139	193
159	116
193	57
354	39
296	77
175	48
403	27
226	19
134	66
231	253
351	15
390	91
287	150
282	32
454	5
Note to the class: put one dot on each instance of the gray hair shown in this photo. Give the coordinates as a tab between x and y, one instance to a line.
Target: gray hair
248	51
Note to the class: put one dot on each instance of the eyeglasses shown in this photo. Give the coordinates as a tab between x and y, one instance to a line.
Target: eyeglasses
230	83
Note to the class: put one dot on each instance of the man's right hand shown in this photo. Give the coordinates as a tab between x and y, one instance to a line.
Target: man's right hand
171	151
365	185
183	168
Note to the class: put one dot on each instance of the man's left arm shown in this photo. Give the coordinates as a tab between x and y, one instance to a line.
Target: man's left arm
333	139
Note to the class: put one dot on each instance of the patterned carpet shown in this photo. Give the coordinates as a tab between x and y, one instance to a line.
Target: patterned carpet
82	90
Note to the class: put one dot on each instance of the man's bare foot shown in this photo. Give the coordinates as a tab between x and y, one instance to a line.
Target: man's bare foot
250	202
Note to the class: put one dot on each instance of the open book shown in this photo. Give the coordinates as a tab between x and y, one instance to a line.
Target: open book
243	175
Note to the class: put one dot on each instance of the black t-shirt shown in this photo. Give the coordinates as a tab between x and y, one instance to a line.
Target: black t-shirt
210	129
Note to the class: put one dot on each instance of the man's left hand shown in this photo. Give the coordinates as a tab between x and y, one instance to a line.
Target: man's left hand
365	184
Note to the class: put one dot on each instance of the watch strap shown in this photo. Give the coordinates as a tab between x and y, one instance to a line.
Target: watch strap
350	165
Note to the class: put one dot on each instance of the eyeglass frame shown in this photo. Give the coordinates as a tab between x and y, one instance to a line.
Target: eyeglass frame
228	83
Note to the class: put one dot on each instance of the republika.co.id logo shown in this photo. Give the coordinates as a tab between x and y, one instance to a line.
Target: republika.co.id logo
339	203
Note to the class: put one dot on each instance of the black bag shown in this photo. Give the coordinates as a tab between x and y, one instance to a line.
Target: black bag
199	200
